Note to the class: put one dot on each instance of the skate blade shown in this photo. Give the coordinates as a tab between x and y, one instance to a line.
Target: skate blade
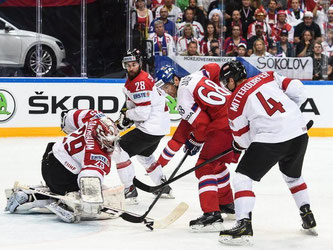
215	227
310	231
167	196
229	216
132	201
239	241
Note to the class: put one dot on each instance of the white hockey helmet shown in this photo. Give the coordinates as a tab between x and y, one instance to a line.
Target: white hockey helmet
106	133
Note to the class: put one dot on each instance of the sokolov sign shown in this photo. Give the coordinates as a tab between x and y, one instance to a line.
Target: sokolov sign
292	67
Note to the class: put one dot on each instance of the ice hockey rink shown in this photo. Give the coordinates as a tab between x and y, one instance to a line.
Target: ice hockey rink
276	222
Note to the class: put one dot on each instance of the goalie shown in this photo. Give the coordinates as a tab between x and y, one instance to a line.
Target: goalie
74	168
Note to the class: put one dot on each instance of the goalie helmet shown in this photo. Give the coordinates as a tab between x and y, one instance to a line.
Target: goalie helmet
106	133
165	75
233	69
132	56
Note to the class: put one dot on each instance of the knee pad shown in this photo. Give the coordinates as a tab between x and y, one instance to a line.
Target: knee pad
242	182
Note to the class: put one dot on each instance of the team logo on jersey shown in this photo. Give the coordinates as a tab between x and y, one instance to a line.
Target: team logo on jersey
99	158
7	105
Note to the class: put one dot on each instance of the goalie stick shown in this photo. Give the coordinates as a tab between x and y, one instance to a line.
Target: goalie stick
151	189
142	217
125	215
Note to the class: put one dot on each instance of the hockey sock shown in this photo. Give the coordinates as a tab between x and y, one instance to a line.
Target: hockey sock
244	196
169	151
126	172
223	184
298	190
152	167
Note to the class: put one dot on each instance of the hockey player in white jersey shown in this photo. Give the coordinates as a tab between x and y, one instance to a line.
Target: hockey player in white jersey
266	120
146	107
75	167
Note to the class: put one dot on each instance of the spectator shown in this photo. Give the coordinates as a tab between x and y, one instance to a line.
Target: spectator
189	18
271	18
142	17
319	62
192	49
306	5
330	68
247	15
215	48
186	38
328	44
241	50
217	4
284	48
274	50
199	15
304	47
235	20
182	4
307	24
259	34
260	15
210	34
175	13
231	43
163	44
205	6
169	26
155	4
283	25
327	26
295	14
215	16
259	48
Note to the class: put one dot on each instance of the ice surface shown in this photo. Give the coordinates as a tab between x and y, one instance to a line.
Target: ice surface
276	222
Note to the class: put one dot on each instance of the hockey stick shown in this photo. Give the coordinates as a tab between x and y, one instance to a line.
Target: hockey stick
142	217
152	189
125	215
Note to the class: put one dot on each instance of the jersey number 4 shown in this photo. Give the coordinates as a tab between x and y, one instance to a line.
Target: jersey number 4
276	106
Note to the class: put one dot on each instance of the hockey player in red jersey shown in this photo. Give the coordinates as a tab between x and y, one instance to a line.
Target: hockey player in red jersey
79	162
265	119
145	107
202	105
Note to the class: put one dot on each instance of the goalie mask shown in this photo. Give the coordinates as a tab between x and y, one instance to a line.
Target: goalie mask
106	133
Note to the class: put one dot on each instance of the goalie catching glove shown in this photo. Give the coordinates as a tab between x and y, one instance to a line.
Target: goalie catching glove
192	145
123	122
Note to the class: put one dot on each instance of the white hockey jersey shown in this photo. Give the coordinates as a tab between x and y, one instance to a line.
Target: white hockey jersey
146	105
265	108
79	152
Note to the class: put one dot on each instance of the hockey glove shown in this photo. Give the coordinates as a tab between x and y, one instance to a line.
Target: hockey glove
123	122
237	149
192	145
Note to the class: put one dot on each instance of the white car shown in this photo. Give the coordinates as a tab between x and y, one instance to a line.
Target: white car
18	48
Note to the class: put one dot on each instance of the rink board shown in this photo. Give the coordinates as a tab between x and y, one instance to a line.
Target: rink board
32	106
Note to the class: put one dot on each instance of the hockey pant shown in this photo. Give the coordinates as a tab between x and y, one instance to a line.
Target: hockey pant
214	178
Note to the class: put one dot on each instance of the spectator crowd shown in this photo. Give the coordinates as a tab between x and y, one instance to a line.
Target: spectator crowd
279	28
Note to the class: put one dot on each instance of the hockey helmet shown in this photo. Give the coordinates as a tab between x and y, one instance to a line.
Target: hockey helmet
165	75
233	69
132	56
106	133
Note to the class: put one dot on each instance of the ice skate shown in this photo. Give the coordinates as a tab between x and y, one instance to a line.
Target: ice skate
63	213
166	191
241	234
309	222
229	211
208	222
131	195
